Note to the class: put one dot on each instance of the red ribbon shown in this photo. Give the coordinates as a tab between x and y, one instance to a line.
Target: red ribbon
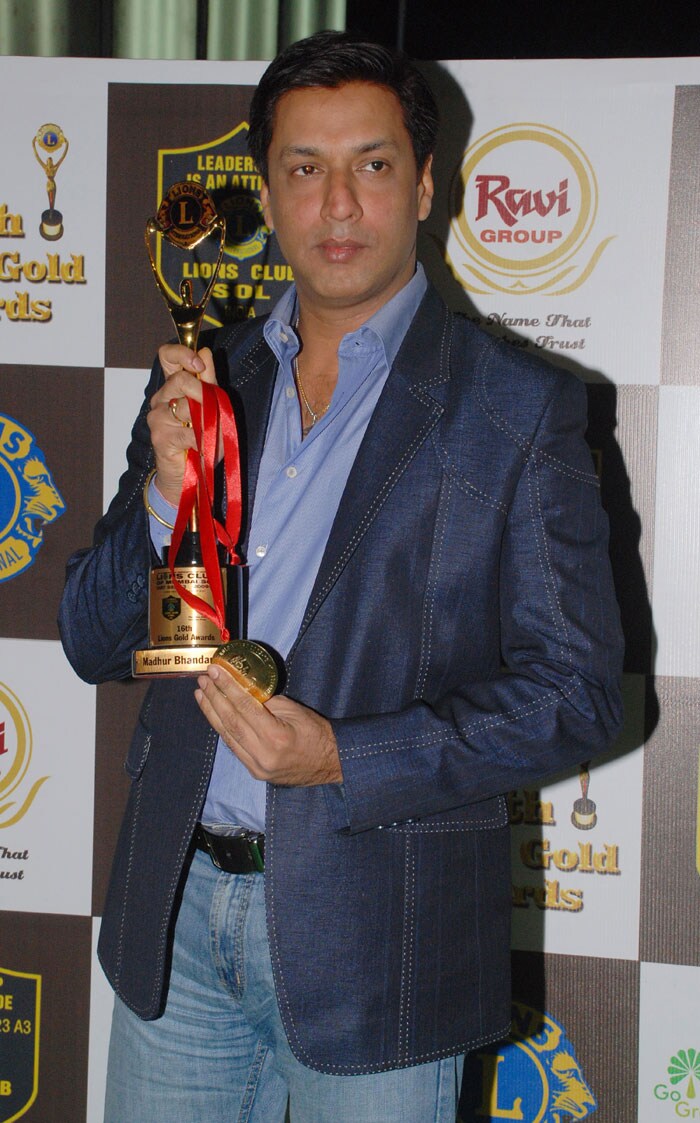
213	418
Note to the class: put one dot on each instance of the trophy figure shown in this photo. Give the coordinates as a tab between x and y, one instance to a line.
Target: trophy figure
186	217
51	140
194	596
584	815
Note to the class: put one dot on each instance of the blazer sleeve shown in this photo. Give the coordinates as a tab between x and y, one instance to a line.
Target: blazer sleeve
103	614
557	701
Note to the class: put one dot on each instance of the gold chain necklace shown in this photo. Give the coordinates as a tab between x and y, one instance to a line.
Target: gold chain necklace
313	414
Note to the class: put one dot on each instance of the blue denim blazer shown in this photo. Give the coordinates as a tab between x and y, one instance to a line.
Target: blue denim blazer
462	636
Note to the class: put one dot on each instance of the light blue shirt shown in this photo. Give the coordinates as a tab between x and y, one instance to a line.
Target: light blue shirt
299	487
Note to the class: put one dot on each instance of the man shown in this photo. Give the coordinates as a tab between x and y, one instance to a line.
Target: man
428	554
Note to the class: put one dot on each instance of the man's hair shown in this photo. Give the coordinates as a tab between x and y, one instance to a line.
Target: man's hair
330	59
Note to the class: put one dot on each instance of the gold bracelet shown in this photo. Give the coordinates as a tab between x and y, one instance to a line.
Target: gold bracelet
147	505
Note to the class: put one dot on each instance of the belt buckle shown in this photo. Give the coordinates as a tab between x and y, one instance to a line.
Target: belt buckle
255	854
210	847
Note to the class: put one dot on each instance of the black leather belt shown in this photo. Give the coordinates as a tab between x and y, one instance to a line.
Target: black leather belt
232	853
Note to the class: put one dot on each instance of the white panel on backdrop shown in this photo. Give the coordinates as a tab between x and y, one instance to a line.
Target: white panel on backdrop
47	717
53	290
123	400
675	602
669	1044
562	236
101	1002
576	870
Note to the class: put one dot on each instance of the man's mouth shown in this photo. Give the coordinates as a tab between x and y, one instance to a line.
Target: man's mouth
340	250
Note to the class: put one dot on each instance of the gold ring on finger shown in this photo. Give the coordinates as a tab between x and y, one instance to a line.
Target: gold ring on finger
173	409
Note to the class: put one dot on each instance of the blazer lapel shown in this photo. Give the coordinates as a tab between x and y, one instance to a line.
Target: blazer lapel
251	379
405	414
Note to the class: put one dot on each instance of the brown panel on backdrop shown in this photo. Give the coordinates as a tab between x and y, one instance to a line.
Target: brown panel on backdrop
58	950
142	120
622	436
62	407
680	337
573	1044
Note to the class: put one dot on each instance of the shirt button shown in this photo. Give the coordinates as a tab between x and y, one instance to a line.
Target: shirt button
260	551
290	392
284	337
291	472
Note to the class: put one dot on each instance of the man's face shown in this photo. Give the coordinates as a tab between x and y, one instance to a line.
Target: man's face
344	196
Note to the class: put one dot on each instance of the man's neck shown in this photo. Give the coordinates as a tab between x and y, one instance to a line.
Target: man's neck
322	326
321	334
316	366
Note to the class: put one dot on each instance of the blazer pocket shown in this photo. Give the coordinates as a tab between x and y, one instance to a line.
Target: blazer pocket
487	814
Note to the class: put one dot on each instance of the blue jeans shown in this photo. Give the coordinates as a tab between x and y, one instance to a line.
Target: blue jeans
219	1053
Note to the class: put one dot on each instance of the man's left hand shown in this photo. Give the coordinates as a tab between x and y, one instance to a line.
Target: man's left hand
281	741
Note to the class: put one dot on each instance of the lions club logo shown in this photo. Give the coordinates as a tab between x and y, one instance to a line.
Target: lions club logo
533	1077
253	272
20	1017
16	796
29	499
526	200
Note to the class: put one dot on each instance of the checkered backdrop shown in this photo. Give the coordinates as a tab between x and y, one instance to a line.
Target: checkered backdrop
567	221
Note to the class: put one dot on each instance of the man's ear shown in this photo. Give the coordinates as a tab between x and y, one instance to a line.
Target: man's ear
265	203
426	190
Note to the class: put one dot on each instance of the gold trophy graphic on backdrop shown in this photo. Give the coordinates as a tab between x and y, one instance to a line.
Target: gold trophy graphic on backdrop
51	140
194	594
584	815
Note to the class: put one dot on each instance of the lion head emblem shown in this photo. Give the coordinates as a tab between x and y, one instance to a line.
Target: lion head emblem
533	1076
29	498
573	1098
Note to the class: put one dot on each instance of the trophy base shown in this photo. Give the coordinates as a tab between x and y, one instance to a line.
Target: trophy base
584	816
51	228
170	661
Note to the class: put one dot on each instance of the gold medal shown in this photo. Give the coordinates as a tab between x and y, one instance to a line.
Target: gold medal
250	664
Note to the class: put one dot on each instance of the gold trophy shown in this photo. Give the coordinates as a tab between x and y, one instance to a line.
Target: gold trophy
192	595
182	638
51	139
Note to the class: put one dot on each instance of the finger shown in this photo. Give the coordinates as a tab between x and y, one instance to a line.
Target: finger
184	371
170	423
213	706
284	708
174	357
246	718
231	725
250	713
225	730
171	438
207	373
185	422
179	385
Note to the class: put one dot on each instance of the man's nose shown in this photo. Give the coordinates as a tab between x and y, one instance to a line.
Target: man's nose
341	202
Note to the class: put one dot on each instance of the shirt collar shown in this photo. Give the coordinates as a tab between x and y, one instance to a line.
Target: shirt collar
385	329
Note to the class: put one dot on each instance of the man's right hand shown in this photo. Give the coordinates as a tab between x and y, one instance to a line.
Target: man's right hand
171	434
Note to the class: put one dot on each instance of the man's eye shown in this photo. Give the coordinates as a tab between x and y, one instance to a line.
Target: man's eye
376	165
305	169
